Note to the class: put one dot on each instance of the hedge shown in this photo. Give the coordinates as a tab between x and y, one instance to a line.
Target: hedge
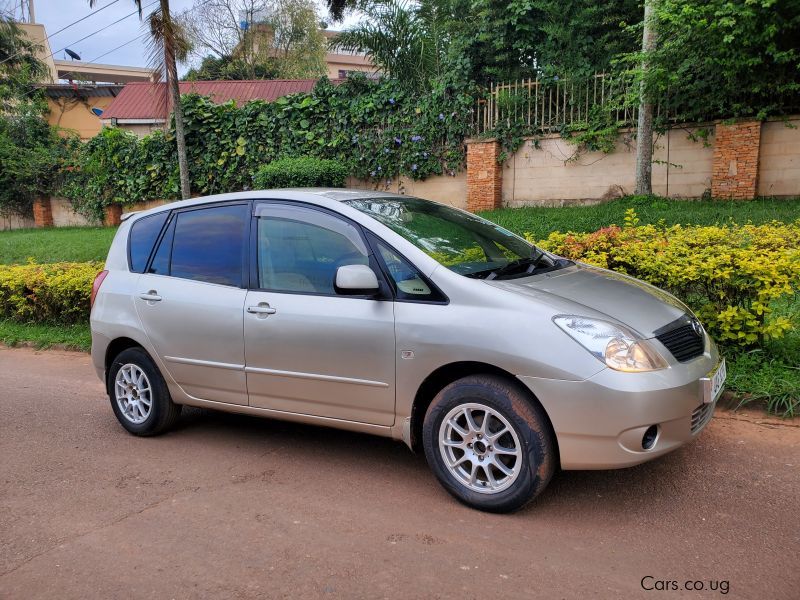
729	275
305	171
48	293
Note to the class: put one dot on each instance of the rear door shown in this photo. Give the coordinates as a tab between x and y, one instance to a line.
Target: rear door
191	300
310	350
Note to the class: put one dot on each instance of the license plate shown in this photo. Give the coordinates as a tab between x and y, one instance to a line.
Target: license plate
714	383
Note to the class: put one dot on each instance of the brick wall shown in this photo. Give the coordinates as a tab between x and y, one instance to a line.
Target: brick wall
734	172
42	212
484	175
113	215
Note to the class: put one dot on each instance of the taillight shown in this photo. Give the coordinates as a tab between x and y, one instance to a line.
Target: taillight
98	281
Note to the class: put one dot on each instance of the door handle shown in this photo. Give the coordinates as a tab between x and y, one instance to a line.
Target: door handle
151	296
261	309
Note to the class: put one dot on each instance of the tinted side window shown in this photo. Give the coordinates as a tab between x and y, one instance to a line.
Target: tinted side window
144	233
209	244
160	263
300	249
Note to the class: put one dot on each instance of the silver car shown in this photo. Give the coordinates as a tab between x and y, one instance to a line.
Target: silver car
404	318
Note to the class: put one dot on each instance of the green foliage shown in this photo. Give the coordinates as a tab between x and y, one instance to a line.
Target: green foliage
52	293
731	275
407	41
724	58
519	38
377	130
213	68
31	152
117	167
60	244
304	171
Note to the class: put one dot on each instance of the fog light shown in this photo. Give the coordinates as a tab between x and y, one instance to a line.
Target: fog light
649	437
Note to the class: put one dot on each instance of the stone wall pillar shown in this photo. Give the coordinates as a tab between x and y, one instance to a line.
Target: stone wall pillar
484	175
42	212
734	172
113	215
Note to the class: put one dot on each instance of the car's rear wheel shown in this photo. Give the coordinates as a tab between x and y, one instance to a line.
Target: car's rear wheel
489	443
139	395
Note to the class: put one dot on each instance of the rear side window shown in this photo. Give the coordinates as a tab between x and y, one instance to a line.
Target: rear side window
209	244
144	233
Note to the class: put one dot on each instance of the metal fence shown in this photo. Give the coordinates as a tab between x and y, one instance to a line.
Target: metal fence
548	105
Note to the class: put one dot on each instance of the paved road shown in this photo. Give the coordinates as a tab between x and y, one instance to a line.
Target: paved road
237	507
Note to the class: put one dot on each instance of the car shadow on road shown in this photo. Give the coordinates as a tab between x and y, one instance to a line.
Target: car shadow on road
622	491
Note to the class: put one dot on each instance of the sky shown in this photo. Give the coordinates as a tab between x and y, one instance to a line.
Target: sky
55	14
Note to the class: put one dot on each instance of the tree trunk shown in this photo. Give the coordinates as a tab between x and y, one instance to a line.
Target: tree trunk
644	129
177	111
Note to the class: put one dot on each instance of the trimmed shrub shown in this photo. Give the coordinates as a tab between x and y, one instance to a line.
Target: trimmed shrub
729	275
48	293
305	171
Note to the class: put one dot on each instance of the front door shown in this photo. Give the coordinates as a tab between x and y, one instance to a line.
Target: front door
191	301
309	350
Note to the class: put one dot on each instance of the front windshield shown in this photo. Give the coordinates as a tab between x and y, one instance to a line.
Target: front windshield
460	241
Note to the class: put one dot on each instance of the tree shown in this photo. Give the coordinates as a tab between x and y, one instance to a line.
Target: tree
644	128
31	151
724	58
255	39
407	41
168	41
227	68
500	41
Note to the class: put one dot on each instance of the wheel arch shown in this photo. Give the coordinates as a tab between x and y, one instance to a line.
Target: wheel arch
447	374
117	346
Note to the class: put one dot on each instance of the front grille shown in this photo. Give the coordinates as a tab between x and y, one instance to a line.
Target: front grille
683	341
701	415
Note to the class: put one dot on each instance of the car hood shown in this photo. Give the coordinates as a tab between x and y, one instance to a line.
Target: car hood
634	303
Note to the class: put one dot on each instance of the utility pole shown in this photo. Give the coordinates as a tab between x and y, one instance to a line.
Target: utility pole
644	129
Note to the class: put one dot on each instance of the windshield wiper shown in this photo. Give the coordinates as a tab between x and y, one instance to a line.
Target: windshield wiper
515	265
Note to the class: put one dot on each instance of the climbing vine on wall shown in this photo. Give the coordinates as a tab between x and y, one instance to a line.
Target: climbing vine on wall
377	130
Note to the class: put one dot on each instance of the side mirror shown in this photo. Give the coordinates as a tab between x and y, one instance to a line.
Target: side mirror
356	280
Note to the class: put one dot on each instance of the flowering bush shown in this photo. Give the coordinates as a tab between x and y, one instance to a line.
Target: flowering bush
57	293
729	275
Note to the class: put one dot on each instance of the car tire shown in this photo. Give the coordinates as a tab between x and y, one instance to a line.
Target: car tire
133	381
499	466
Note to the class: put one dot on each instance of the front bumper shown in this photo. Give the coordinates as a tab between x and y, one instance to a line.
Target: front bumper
600	422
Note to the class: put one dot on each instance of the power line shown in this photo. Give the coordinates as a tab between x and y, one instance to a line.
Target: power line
91	14
102	28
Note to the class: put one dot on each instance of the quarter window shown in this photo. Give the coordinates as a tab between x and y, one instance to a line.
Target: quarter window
300	249
144	233
209	244
408	283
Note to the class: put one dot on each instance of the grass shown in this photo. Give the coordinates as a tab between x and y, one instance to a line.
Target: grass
541	221
770	375
72	244
42	335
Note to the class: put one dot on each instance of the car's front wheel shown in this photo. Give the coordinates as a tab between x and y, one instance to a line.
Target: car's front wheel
488	443
139	395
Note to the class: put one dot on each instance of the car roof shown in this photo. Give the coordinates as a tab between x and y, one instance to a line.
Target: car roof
289	194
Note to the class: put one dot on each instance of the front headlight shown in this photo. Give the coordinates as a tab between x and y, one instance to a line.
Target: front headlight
614	345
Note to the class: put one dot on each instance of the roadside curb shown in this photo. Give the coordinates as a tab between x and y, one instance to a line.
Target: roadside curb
34	346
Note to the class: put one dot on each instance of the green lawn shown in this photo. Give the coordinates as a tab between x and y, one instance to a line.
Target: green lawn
542	221
76	244
73	337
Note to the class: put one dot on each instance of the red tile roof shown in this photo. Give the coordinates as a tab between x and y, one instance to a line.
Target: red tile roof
143	100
